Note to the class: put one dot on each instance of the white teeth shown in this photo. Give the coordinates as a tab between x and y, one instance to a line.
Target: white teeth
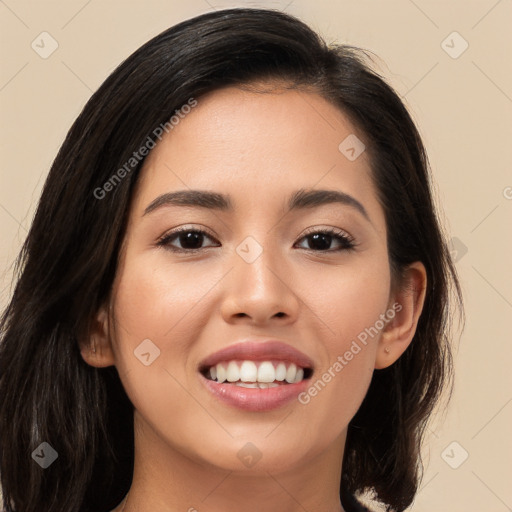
253	374
248	372
260	385
221	373
266	372
290	373
281	372
232	373
247	385
299	375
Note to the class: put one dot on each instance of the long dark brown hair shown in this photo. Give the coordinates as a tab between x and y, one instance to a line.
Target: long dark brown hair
67	264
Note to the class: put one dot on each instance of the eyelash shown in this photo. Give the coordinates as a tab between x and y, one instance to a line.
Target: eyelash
346	241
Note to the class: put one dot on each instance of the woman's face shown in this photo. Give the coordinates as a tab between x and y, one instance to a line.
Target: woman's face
258	273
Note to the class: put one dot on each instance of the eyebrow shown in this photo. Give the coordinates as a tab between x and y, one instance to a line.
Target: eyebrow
299	200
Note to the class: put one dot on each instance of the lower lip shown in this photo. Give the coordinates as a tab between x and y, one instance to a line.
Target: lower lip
257	400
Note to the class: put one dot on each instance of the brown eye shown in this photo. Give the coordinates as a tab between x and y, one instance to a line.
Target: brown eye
321	240
188	240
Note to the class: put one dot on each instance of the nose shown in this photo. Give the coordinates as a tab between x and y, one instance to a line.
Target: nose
260	291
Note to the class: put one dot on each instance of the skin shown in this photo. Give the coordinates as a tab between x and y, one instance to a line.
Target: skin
258	148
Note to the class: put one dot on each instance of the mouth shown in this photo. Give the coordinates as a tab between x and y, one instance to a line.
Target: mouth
256	376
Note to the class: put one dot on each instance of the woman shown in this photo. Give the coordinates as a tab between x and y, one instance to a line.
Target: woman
235	290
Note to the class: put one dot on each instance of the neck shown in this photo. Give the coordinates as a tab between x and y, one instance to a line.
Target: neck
165	480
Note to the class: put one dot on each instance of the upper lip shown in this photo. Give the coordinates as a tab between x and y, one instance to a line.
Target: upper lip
261	350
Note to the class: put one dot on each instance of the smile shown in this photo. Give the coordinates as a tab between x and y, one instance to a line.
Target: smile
256	376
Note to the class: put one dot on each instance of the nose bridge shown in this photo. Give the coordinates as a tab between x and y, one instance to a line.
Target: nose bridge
257	264
259	287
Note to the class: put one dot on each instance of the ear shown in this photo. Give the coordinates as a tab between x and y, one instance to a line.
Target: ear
97	350
407	303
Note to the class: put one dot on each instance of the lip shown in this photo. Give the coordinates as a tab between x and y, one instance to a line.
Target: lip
253	350
256	400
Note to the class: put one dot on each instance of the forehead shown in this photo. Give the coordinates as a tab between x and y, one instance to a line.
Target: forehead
258	146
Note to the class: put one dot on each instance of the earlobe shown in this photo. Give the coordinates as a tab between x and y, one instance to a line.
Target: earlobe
97	349
408	305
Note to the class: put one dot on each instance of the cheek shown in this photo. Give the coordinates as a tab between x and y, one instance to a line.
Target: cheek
334	396
159	310
349	301
161	302
339	385
351	313
152	313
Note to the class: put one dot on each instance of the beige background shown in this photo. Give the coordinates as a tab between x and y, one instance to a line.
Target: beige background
462	105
